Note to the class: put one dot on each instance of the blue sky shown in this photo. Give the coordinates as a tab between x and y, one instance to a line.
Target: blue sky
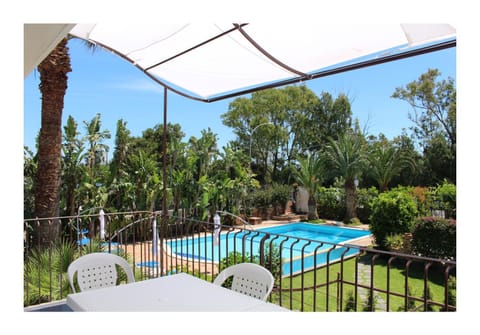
101	82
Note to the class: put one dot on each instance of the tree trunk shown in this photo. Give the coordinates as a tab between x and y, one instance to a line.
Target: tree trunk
53	85
312	208
351	201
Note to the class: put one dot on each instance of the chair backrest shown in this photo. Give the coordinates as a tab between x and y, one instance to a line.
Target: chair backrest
248	278
97	270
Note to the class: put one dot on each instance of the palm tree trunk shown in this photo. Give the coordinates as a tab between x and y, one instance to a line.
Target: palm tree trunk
53	85
350	201
312	208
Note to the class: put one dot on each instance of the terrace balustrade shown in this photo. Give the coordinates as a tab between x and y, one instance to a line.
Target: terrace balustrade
309	275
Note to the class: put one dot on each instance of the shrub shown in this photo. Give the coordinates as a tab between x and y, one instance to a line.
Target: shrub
275	197
280	194
398	243
234	257
370	303
446	199
393	212
260	200
350	303
273	261
365	198
331	203
43	269
423	196
435	237
355	222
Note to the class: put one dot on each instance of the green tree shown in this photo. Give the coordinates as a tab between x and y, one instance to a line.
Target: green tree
267	125
118	183
325	118
347	157
438	160
122	145
142	172
73	169
434	104
386	162
408	176
232	170
97	150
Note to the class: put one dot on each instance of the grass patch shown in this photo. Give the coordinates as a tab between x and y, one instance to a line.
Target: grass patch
329	297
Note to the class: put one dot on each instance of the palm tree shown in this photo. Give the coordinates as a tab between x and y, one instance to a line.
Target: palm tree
310	175
348	158
97	151
387	162
73	168
117	183
142	171
53	86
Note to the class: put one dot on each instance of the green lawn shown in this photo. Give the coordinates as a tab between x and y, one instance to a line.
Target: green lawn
322	296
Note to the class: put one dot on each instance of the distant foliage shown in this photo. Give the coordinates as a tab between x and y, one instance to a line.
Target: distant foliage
435	237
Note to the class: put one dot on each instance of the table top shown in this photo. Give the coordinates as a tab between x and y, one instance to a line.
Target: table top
176	293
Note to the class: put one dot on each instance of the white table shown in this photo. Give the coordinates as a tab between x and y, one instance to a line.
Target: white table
176	293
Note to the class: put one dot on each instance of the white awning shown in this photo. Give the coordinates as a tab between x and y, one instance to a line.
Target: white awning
208	61
39	40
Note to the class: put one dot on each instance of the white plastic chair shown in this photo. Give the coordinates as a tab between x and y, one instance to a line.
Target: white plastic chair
97	270
248	278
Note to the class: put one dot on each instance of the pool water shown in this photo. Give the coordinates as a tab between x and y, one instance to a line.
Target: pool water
313	241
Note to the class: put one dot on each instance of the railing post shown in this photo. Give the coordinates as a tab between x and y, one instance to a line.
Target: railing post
339	302
262	250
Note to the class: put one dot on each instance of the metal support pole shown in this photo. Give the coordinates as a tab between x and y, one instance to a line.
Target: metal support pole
163	226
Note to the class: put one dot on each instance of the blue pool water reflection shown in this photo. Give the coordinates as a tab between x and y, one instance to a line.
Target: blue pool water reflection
313	241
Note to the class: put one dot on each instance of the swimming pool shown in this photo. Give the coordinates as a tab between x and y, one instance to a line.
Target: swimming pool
314	244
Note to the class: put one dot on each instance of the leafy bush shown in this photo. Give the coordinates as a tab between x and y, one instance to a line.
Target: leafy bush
280	194
435	237
365	198
446	199
393	212
273	261
423	196
394	242
331	203
275	196
260	200
45	273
